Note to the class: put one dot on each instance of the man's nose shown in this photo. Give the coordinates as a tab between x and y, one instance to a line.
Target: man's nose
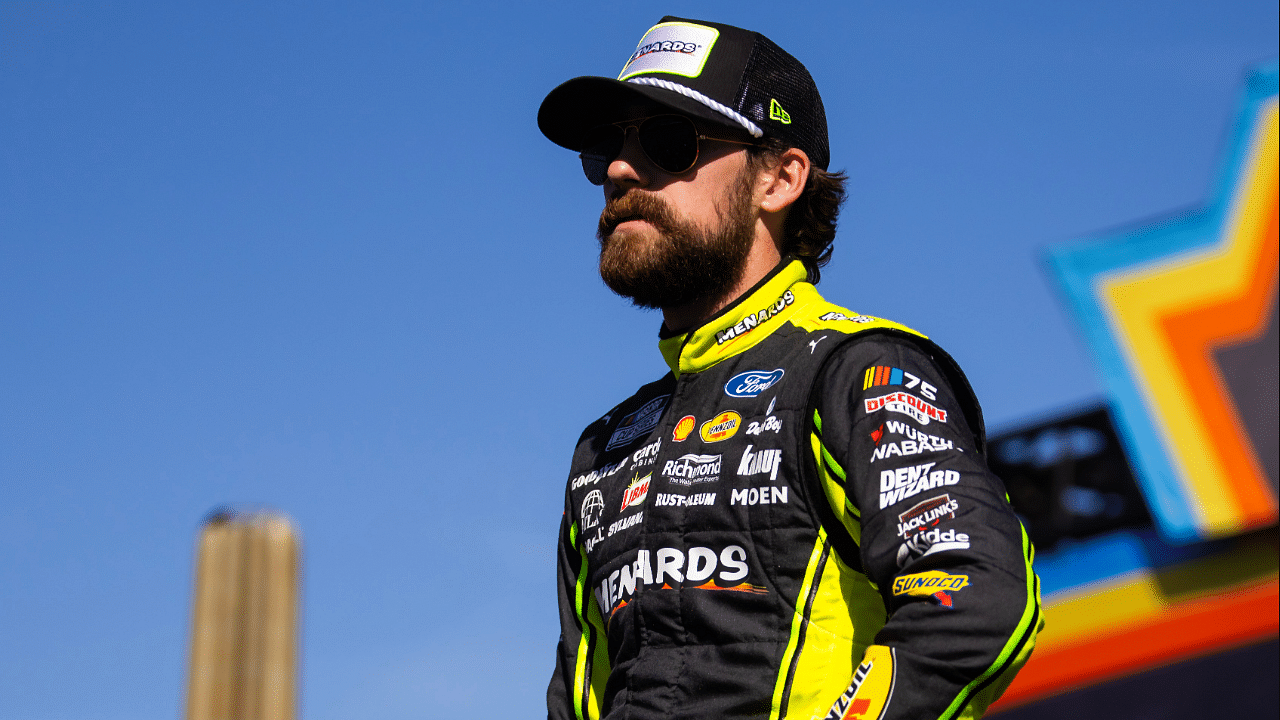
631	168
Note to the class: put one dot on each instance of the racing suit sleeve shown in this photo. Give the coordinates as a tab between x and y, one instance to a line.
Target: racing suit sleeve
582	662
937	537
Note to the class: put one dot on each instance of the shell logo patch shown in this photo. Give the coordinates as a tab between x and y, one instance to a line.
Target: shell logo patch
683	428
721	427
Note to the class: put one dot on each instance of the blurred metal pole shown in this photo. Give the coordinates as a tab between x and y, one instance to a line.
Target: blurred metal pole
244	639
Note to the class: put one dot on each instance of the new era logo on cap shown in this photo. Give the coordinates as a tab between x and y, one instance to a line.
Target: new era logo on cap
777	113
679	48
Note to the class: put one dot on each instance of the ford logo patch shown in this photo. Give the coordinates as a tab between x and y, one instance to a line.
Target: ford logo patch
752	383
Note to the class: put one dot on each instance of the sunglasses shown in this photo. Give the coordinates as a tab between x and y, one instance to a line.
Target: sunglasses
670	142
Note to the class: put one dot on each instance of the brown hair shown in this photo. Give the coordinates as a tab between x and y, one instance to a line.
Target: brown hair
810	227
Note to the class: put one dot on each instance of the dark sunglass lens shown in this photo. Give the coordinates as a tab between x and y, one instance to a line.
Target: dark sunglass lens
671	142
596	169
599	148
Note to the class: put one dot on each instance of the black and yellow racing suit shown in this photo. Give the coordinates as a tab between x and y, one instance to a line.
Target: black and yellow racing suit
796	522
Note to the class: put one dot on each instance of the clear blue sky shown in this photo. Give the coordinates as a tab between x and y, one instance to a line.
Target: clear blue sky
316	256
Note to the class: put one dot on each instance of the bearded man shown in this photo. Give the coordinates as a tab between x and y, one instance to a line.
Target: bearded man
796	521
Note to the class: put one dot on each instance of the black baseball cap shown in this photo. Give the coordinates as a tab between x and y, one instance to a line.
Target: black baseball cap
715	72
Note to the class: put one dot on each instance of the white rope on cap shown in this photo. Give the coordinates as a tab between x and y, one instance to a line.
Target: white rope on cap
692	94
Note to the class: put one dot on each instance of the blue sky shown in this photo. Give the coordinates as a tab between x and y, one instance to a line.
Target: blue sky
317	257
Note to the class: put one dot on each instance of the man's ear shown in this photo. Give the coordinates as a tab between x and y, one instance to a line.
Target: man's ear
785	180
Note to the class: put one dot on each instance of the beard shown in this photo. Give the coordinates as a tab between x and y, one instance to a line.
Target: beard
687	262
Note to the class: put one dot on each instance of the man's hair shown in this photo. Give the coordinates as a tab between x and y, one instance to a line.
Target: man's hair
810	227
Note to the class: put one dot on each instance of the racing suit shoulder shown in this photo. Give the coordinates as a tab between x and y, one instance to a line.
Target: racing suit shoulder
821	314
936	533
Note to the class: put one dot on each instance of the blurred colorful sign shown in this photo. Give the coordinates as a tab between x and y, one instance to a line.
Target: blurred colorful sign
1127	602
1180	315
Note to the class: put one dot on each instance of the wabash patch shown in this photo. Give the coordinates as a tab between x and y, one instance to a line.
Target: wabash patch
871	690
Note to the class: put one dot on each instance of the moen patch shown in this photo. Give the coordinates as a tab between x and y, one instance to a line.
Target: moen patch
758	496
721	427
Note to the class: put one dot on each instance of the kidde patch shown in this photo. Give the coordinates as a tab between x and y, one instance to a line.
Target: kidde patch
684	427
721	427
636	492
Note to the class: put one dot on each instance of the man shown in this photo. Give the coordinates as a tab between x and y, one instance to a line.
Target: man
797	521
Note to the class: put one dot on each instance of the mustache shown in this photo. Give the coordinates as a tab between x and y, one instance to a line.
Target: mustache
635	205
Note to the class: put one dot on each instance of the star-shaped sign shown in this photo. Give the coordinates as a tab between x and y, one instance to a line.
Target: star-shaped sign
1180	316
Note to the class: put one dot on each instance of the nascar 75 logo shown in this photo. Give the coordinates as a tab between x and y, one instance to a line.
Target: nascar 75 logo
885	375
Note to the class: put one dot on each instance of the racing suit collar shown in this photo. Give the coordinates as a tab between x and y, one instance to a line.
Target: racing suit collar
744	323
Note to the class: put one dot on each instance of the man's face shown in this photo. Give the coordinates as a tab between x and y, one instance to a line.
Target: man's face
671	240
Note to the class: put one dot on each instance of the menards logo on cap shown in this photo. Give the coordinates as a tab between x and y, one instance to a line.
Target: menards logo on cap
678	48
